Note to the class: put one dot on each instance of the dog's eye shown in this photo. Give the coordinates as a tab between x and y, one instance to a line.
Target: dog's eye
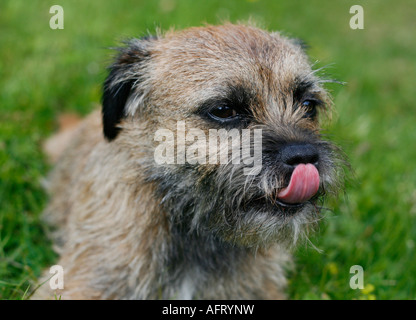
309	106
223	113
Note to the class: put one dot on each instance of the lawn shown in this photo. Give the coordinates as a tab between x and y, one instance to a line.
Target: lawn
47	72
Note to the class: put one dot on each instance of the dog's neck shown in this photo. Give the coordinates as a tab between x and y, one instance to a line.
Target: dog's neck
196	258
203	250
190	258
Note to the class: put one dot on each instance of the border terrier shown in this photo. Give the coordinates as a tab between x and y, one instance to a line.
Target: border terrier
128	226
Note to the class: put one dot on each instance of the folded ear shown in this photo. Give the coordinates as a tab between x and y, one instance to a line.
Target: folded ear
301	43
123	80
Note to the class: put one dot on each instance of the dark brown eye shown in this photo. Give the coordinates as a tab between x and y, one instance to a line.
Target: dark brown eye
310	108
223	113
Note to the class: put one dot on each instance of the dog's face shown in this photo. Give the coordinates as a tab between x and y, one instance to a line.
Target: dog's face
223	79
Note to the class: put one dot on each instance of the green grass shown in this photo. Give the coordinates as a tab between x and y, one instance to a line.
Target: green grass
46	72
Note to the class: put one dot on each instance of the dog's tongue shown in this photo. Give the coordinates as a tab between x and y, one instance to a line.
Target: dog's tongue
303	185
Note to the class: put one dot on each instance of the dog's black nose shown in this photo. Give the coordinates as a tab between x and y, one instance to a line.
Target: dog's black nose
294	154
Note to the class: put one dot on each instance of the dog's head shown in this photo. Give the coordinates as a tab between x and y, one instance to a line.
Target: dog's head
232	117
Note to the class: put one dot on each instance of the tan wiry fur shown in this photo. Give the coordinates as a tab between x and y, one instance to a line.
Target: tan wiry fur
113	209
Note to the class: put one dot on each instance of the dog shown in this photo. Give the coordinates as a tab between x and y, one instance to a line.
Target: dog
133	223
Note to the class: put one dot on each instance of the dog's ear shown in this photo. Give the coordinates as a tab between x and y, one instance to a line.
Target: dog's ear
301	43
123	80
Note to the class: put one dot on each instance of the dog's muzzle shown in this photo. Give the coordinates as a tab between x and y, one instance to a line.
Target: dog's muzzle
302	160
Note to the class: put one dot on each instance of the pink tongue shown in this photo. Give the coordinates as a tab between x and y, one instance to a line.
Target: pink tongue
303	185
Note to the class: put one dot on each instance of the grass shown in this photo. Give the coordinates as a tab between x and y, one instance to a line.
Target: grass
46	72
